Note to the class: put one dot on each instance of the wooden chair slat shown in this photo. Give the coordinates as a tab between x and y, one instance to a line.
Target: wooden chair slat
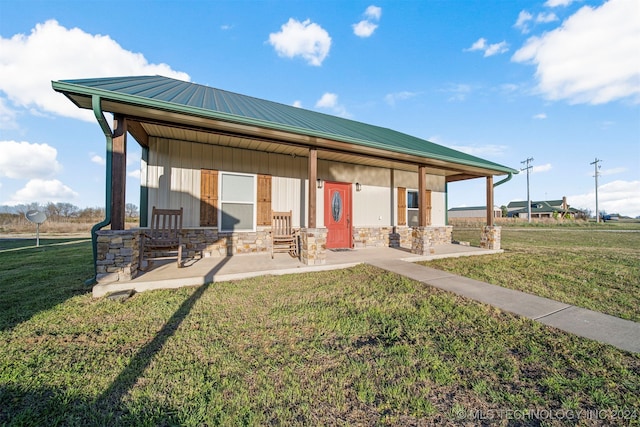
283	237
165	233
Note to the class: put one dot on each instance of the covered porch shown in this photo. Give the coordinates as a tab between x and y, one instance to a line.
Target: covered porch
196	272
392	187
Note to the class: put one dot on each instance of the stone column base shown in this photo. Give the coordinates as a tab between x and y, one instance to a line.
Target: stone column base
490	237
424	238
118	255
313	246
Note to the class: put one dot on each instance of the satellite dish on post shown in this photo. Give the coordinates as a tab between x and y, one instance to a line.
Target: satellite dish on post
38	218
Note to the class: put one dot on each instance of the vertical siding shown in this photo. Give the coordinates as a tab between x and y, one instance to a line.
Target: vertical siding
438	208
369	207
173	179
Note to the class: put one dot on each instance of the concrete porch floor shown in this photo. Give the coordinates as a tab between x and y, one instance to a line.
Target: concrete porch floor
165	274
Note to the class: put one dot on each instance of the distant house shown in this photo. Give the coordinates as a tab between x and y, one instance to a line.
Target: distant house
473	212
543	209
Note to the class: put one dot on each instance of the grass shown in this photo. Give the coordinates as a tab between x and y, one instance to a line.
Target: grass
351	347
594	269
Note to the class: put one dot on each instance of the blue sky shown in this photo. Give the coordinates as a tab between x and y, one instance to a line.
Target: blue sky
553	80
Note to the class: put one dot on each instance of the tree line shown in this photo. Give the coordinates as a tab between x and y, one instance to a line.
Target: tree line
66	212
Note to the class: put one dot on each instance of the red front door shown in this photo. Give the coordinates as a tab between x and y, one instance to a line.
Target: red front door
337	214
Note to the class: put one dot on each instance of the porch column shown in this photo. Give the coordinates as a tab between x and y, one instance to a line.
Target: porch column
422	196
118	172
313	176
491	234
490	200
313	241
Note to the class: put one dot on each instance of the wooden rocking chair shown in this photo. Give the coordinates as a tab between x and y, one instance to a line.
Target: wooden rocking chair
165	234
283	236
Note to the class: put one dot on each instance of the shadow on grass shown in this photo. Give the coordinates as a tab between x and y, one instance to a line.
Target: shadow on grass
40	406
112	396
33	279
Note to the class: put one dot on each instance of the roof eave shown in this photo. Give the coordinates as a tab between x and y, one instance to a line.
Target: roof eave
71	89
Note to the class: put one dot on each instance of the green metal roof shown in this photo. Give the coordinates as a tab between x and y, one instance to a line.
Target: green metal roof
178	96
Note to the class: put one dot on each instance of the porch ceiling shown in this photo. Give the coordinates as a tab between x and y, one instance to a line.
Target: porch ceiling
278	147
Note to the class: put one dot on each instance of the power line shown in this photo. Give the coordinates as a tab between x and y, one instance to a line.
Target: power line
596	166
528	169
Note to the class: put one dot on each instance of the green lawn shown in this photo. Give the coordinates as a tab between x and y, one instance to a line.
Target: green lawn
348	347
598	269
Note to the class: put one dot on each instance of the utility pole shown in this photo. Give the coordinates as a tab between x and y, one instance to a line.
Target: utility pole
596	166
528	169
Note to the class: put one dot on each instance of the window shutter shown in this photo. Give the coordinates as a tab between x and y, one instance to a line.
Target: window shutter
402	206
427	208
264	200
208	198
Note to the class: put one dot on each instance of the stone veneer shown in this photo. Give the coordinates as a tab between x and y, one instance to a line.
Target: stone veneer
313	246
490	237
118	255
379	237
424	238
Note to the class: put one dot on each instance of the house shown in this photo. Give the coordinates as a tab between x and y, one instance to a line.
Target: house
473	212
543	209
228	160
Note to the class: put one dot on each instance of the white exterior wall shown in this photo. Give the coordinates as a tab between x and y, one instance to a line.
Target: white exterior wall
173	179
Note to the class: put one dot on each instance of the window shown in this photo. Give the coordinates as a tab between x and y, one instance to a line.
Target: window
408	207
237	202
238	199
412	208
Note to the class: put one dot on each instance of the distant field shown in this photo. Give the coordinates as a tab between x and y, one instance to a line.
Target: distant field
598	269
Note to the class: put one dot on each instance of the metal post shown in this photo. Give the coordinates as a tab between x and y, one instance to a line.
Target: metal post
528	169
596	173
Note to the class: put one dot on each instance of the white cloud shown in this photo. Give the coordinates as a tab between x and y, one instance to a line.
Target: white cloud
373	12
545	18
496	48
297	104
330	101
42	191
523	20
612	171
459	91
540	116
364	28
24	160
306	39
391	98
541	168
621	197
134	174
99	160
479	44
7	116
488	49
28	64
556	3
592	58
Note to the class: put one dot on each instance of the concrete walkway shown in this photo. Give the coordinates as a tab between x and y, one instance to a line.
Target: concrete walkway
617	332
620	333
